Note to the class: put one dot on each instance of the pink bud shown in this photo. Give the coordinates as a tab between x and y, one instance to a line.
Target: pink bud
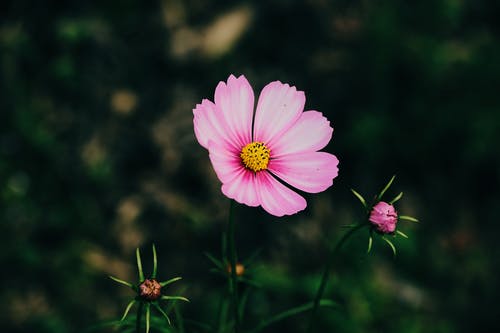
384	217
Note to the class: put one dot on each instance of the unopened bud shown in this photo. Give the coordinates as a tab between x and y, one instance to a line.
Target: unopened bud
384	217
150	290
240	269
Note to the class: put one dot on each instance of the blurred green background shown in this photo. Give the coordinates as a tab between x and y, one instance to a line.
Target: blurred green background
98	157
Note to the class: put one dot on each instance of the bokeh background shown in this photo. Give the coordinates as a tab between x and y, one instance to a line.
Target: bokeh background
98	157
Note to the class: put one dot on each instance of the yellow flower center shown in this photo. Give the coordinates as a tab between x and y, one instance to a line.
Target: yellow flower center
255	156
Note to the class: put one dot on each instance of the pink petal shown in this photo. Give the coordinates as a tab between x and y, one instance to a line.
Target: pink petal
225	161
236	101
310	133
277	199
238	183
278	108
310	172
209	125
243	188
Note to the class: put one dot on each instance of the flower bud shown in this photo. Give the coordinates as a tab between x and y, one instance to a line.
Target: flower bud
240	269
384	217
150	290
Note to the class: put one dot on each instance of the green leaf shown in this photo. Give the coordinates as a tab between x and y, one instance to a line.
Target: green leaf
215	261
401	233
179	319
177	298
249	282
292	312
127	309
203	326
128	284
165	283
248	261
100	326
155	263
399	196
360	197
139	265
408	218
224	246
391	245
243	302
386	187
370	241
160	310
148	314
349	225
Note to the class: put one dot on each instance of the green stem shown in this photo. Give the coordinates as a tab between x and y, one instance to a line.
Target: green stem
326	272
292	312
138	318
233	283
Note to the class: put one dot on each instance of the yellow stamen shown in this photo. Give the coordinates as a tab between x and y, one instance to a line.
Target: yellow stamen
255	156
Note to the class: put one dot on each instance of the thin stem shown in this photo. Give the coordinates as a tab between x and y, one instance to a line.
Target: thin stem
326	272
233	283
292	312
138	318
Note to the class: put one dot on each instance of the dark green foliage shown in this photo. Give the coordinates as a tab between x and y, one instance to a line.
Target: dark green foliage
98	157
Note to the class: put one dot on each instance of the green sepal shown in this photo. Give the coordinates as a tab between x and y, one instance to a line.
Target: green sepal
139	265
399	196
165	283
160	310
174	298
401	234
360	197
370	242
391	245
148	315
127	309
128	284
155	263
408	218
215	261
386	187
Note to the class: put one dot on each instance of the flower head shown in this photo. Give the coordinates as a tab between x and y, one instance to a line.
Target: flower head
384	217
254	153
148	292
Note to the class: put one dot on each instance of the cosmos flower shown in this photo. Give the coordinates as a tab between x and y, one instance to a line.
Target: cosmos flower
254	154
384	217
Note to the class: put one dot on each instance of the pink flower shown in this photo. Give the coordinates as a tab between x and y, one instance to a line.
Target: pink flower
384	217
251	151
